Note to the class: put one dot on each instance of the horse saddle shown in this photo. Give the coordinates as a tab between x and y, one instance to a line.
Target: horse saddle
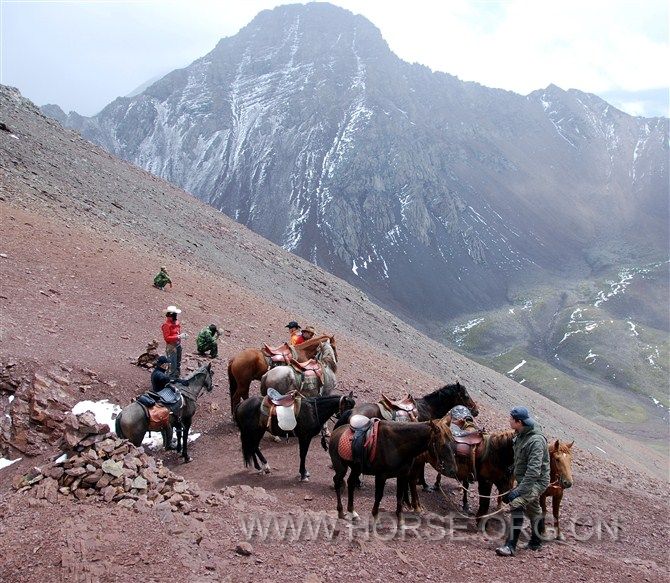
169	395
284	407
403	409
466	446
279	355
311	370
359	443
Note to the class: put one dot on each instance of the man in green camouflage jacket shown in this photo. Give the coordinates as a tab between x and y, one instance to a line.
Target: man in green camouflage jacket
531	469
206	341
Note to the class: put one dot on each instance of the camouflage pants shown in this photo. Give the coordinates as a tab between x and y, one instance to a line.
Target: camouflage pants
211	347
529	505
173	352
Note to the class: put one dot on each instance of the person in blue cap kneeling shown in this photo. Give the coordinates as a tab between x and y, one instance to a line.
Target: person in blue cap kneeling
531	469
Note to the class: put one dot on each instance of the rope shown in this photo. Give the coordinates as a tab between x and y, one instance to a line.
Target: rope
481	495
501	509
498	511
554	483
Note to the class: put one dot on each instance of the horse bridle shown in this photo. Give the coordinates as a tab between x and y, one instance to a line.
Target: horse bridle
194	398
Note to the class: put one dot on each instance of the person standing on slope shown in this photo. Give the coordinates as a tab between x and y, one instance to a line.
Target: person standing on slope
531	470
173	336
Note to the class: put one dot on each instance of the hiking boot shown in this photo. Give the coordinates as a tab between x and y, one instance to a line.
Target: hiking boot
535	542
505	551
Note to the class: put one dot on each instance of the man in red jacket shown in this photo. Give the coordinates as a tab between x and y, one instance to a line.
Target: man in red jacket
173	335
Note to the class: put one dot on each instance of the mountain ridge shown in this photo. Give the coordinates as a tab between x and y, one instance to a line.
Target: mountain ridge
97	193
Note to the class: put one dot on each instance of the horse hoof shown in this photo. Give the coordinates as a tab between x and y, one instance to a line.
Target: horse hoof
188	459
560	536
428	488
305	479
276	439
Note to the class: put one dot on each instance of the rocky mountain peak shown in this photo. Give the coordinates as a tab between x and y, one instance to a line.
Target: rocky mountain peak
306	128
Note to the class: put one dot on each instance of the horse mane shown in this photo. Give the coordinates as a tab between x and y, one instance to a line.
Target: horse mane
196	372
437	395
316	340
328	355
498	445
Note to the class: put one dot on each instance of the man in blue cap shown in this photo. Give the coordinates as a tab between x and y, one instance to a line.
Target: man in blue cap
531	470
160	377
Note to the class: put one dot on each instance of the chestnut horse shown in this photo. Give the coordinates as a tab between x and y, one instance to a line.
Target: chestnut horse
251	364
398	444
560	478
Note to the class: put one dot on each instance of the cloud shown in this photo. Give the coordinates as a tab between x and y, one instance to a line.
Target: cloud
84	54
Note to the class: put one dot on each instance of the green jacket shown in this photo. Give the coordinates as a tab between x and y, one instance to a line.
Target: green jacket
162	279
205	339
531	461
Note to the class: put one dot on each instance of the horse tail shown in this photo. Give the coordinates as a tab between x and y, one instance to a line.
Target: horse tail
117	426
232	381
246	434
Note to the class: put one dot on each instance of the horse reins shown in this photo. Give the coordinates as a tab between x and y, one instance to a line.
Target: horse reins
498	511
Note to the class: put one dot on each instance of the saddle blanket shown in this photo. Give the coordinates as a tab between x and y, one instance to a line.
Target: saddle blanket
345	445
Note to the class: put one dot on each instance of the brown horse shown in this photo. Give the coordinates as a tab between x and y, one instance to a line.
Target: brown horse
398	444
251	364
494	459
560	478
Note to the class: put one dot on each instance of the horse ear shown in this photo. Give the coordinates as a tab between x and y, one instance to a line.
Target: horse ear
571	444
433	425
447	418
557	445
351	394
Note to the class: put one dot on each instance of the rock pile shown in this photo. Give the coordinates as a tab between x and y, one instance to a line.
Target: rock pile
99	465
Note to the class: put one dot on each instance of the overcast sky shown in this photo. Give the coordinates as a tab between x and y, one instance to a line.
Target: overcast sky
82	55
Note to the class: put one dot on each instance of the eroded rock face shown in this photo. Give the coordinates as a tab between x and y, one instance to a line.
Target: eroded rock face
33	406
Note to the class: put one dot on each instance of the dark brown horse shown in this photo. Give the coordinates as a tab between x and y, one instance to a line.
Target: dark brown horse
314	412
251	364
494	460
433	406
398	444
560	463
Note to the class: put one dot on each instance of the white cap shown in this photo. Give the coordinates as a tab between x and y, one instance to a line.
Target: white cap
172	310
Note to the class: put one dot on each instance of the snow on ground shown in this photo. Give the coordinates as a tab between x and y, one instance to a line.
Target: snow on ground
4	462
518	366
106	412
